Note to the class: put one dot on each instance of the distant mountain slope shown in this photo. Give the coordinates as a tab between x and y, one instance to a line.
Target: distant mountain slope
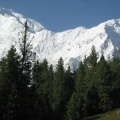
72	45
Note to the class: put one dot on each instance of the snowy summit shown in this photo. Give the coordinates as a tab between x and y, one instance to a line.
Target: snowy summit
71	45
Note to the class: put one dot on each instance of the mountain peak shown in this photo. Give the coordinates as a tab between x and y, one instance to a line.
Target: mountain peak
110	23
33	25
72	45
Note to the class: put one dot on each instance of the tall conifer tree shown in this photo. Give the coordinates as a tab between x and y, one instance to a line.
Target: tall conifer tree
9	91
59	91
104	77
75	105
27	57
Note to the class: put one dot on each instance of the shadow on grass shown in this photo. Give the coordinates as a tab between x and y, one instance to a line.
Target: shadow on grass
95	117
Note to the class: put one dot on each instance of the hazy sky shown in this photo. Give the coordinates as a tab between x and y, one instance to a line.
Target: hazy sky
60	15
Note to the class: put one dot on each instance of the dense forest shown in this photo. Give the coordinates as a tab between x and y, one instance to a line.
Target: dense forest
30	90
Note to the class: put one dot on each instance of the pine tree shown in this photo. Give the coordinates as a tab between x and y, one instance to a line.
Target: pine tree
9	77
69	84
80	88
37	76
73	108
27	57
104	77
90	96
58	105
51	78
75	105
115	68
44	90
4	93
92	58
43	76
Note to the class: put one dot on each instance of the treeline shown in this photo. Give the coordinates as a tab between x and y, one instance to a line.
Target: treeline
30	90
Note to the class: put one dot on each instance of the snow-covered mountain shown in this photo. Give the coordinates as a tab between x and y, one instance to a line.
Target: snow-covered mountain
72	45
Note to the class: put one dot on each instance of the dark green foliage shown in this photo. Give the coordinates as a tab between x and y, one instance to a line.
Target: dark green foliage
93	57
51	78
91	60
73	108
9	80
43	77
15	76
59	97
75	105
69	84
90	92
115	68
36	92
104	78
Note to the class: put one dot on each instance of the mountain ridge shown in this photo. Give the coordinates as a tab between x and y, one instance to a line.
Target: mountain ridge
72	45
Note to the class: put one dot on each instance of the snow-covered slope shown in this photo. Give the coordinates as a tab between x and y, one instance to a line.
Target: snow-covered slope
71	45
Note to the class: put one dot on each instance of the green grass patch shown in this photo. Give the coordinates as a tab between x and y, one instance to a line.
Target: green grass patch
110	115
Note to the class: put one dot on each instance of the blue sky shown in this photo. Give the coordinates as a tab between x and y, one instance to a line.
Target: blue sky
60	15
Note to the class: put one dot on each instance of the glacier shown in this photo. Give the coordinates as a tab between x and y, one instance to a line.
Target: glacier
72	45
